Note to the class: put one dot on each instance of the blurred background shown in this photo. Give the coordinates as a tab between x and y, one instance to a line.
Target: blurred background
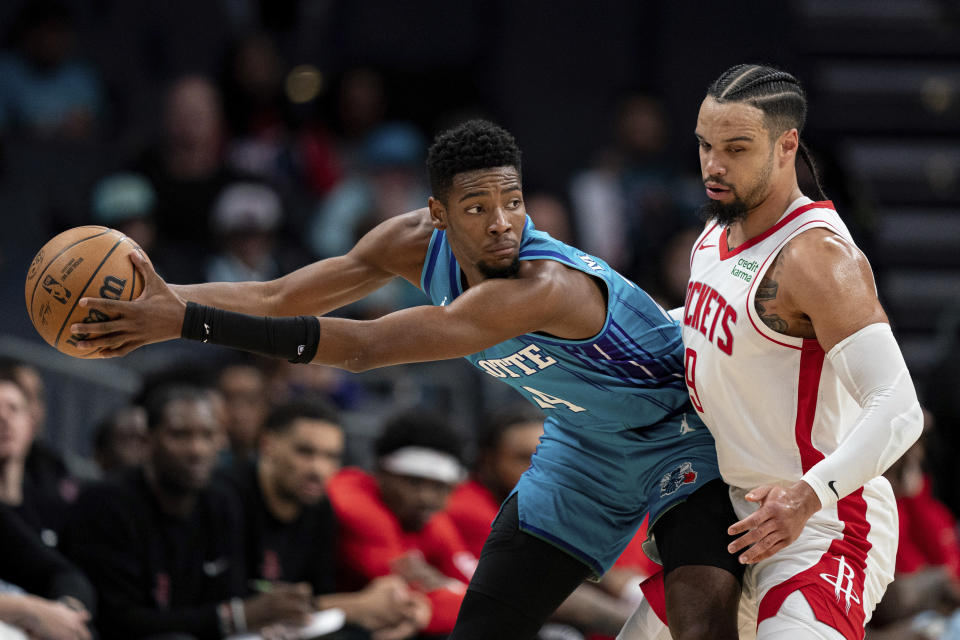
241	139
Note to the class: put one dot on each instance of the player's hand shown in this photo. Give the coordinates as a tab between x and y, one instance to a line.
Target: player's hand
50	620
417	611
284	603
155	316
777	522
380	603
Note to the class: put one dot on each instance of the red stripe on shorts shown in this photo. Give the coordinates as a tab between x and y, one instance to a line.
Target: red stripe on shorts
834	585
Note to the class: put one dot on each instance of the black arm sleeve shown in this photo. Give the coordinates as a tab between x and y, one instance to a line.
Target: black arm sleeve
293	339
36	568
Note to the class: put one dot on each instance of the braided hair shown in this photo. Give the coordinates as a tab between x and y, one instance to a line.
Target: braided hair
777	93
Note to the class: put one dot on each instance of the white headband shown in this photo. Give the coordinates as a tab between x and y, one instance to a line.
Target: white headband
421	462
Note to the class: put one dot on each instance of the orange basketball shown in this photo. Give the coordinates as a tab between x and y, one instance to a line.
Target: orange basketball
82	262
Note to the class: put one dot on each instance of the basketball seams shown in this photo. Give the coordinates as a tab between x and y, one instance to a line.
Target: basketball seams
133	268
33	294
93	275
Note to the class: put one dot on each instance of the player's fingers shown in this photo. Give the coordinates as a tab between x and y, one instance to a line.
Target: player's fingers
758	494
763	549
145	267
99	328
117	351
743	542
752	521
105	305
105	341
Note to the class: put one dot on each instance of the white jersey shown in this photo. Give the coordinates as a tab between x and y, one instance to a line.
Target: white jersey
776	407
773	403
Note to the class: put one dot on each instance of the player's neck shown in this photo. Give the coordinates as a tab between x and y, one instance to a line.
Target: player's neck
763	216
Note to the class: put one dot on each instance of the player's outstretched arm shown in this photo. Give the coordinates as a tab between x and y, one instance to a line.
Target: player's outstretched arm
396	247
830	282
488	313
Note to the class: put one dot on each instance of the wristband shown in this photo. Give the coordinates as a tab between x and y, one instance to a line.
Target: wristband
293	339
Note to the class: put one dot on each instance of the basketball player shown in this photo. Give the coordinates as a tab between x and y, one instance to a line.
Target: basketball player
791	363
570	334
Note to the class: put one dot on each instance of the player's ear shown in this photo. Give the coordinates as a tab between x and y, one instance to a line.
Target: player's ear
438	213
789	142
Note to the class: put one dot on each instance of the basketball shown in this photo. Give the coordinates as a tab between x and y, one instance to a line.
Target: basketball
81	262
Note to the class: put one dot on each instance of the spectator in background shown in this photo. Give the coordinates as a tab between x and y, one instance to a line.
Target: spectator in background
670	288
126	202
390	183
289	526
45	92
15	435
245	221
361	107
288	380
926	590
162	544
43	594
53	477
120	441
246	405
392	521
273	135
188	172
504	448
550	214
632	200
41	507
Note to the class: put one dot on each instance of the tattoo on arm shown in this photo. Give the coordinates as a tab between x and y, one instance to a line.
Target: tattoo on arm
766	297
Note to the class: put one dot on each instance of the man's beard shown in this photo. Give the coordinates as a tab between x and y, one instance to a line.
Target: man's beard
724	214
508	271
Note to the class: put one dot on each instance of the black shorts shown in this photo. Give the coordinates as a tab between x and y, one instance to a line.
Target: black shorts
694	532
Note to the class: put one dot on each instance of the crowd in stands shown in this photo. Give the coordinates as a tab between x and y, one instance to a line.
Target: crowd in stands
210	511
215	503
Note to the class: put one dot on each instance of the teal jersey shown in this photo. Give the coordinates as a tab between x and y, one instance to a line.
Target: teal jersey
629	375
620	440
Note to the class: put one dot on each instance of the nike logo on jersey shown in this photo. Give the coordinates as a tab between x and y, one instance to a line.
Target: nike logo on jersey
705	246
833	488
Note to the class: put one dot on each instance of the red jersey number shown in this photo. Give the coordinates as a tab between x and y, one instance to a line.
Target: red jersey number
690	372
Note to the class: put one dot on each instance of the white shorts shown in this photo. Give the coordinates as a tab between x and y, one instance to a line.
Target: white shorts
841	563
11	633
837	570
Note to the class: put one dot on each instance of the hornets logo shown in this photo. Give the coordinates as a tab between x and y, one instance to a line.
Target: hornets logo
683	474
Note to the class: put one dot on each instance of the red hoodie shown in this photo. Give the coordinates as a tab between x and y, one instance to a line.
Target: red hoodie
371	539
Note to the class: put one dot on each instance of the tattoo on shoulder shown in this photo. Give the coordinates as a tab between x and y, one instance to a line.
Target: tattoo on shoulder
765	300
